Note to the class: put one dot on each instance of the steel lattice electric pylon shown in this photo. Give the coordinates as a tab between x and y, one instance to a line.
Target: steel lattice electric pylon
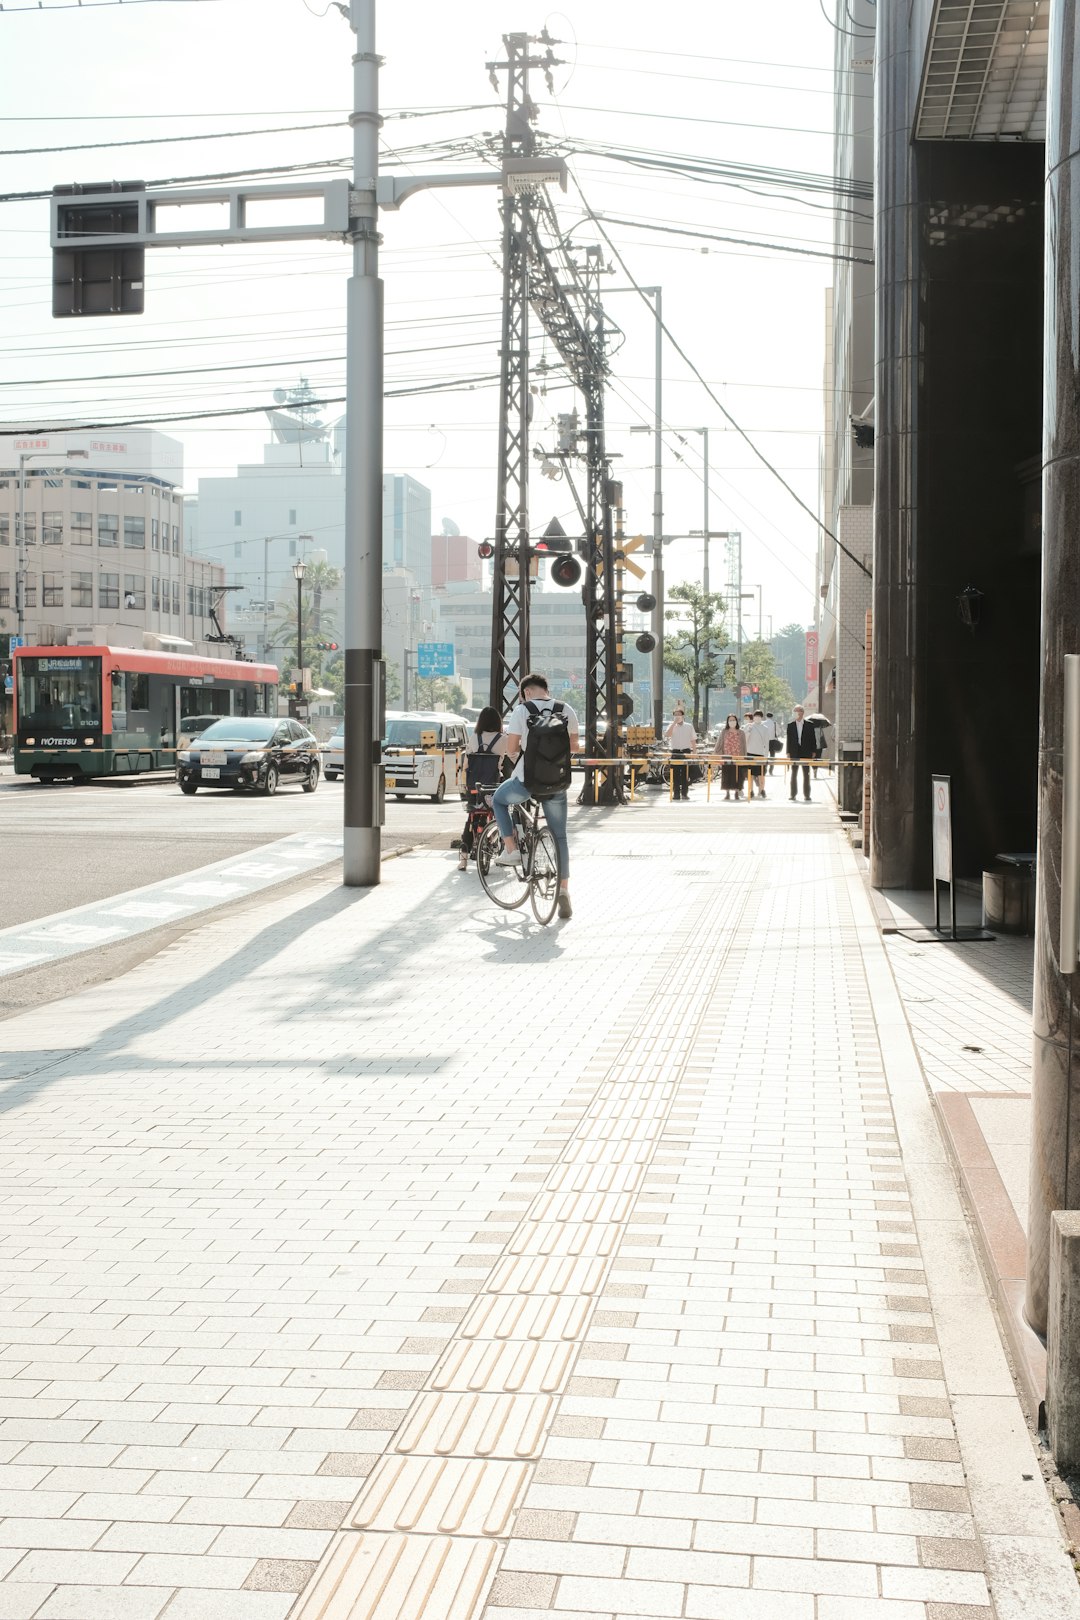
510	592
540	276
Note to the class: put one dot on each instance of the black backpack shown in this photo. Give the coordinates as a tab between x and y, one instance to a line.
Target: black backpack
483	768
547	751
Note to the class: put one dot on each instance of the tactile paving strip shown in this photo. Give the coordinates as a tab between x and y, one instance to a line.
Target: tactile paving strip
467	1444
522	1316
374	1577
475	1425
441	1496
514	1368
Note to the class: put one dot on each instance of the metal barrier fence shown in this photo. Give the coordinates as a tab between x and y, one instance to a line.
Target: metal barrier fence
757	764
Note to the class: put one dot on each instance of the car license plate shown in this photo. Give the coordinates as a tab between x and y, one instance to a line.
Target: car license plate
210	773
391	781
210	758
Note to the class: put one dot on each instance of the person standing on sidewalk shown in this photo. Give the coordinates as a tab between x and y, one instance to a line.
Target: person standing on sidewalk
535	701
775	744
757	751
732	748
801	749
681	738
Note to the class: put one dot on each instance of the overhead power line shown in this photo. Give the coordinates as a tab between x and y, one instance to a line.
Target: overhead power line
721	407
741	241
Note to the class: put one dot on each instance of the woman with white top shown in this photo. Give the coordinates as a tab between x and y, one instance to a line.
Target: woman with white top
681	738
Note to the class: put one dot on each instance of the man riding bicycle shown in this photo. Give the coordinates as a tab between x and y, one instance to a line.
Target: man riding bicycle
536	703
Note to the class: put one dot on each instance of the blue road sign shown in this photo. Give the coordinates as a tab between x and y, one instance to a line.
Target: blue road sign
434	658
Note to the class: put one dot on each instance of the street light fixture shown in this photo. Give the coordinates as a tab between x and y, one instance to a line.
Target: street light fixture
299	570
20	549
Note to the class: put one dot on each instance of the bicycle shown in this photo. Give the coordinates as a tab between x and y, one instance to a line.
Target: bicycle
537	874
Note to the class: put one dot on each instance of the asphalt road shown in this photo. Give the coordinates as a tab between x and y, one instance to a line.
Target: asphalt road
62	846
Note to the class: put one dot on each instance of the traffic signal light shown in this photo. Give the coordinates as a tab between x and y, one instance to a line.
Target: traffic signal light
645	602
98	280
327	646
645	642
565	568
485	550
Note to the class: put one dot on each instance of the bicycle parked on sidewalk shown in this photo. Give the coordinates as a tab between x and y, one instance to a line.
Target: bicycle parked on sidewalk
537	873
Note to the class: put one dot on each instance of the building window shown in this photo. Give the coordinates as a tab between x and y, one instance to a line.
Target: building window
135	533
176	597
5	529
238	549
82	528
238	518
81	483
30	521
200	606
155	527
292	548
108	591
52	590
135	591
5	590
155	594
30	590
292	516
82	590
175	541
191	601
52	528
108	529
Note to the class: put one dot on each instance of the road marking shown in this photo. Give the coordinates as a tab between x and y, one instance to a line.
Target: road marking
126	915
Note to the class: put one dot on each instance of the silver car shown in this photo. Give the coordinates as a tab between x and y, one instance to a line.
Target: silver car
333	754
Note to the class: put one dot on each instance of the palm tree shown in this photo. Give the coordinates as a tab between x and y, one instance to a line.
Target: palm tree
319	621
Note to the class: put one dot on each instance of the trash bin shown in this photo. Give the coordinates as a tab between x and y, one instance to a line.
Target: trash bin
1008	901
851	778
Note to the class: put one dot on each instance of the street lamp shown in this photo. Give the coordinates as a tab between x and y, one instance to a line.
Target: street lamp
20	547
299	570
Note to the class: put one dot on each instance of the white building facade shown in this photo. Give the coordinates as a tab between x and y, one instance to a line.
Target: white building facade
91	547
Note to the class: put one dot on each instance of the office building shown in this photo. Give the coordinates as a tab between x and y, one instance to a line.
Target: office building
103	559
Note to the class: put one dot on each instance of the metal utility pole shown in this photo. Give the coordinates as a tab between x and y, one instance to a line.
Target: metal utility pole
364	670
658	517
298	574
510	607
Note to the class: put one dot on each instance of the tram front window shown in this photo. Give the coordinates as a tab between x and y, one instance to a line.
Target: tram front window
59	695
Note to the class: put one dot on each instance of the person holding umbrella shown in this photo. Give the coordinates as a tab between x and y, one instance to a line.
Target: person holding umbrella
820	722
802	747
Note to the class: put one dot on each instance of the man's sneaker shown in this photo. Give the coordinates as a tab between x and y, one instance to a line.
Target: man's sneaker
565	908
462	862
508	857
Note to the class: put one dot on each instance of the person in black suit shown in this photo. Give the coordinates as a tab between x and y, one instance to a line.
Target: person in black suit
802	746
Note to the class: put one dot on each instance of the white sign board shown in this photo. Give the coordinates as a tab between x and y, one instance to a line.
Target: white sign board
942	826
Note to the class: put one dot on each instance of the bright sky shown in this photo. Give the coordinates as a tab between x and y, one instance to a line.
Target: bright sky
725	83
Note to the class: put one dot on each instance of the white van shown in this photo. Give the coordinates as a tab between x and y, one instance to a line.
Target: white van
424	753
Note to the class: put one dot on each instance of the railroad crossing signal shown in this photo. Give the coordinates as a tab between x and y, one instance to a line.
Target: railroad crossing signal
622	555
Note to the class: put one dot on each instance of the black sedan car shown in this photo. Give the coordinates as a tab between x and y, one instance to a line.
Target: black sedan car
258	752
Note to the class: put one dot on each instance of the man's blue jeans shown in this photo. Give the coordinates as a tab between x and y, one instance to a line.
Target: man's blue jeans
515	792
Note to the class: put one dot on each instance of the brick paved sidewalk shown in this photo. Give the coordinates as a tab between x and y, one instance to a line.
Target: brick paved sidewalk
659	1303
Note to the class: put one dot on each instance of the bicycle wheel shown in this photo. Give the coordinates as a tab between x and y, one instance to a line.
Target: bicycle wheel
544	877
506	885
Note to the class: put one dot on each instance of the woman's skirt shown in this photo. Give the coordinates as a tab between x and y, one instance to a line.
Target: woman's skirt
729	776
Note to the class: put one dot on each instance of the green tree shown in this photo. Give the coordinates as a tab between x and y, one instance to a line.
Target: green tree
759	669
789	650
692	648
440	692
